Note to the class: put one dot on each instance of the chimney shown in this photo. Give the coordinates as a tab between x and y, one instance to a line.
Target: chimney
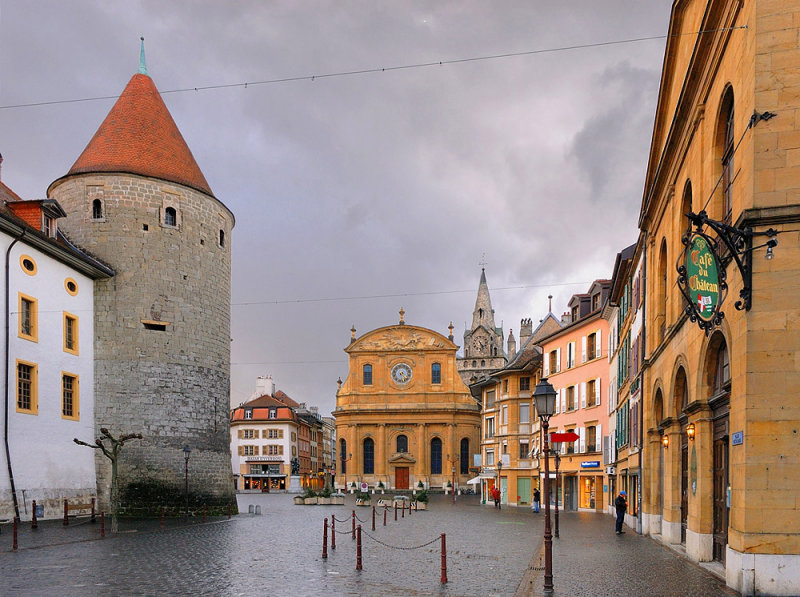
525	331
566	317
264	386
512	345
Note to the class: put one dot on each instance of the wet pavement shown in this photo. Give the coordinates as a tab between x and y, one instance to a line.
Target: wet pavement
489	552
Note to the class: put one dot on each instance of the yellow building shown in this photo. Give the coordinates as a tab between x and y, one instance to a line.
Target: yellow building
403	415
722	405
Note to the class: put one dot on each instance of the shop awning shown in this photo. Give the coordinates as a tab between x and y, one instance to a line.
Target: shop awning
476	480
265	476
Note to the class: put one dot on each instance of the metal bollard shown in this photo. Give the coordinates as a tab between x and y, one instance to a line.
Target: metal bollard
93	502
163	515
34	522
14	543
358	549
353	519
66	512
395	510
325	540
333	532
444	559
102	523
403	510
384	515
373	518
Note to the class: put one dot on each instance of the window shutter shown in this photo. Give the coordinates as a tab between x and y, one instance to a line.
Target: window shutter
280	433
547	364
240	450
583	349
582	439
558	401
558	360
563	400
598	436
280	449
583	394
598	344
241	433
606	447
597	391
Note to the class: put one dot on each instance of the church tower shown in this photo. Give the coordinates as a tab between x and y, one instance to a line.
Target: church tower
483	342
136	199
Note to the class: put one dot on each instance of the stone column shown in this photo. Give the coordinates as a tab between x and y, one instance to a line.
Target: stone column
380	453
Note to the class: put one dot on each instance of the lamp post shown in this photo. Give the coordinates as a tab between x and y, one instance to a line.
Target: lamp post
557	457
453	475
544	397
186	452
499	471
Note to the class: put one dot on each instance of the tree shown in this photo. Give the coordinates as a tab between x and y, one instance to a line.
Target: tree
112	453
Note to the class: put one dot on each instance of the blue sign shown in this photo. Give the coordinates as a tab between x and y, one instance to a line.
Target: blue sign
590	464
737	439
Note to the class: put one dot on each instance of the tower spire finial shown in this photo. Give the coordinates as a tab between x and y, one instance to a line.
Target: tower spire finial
142	62
549	303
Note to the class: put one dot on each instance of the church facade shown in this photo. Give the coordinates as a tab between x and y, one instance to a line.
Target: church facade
403	415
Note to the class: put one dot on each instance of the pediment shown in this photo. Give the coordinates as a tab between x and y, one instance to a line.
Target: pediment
402	458
401	338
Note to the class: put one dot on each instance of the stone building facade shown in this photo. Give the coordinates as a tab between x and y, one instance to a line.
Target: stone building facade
403	415
137	199
722	406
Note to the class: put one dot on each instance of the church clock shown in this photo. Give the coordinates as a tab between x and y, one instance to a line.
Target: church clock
401	373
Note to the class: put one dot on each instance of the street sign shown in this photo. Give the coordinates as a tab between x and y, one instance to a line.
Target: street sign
567	437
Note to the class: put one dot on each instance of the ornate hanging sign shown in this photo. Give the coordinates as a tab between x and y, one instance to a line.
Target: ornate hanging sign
701	279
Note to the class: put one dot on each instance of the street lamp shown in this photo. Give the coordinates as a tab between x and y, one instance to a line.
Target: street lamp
557	455
499	470
186	452
544	397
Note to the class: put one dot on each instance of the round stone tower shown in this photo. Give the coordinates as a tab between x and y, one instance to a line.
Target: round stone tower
137	200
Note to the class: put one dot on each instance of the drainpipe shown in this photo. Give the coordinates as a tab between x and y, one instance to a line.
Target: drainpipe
642	467
8	364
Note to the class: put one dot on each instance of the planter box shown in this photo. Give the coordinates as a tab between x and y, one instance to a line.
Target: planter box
362	502
299	500
337	500
310	501
323	500
420	506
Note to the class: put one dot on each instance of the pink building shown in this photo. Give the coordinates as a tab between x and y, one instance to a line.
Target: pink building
576	363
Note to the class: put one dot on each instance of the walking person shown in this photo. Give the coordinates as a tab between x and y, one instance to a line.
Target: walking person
536	499
496	497
621	504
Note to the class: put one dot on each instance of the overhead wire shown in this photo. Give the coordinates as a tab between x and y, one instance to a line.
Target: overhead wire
376	70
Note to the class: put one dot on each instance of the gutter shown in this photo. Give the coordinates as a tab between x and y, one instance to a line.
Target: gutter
5	417
642	468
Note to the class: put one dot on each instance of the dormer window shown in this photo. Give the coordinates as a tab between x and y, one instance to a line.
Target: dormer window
273	413
595	302
49	225
248	413
575	313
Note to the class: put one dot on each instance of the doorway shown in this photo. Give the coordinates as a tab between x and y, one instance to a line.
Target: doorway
720	498
401	477
684	485
524	491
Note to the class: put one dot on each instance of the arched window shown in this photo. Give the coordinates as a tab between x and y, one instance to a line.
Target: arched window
222	238
474	363
170	217
722	370
724	152
465	456
684	223
661	295
367	377
483	363
369	456
658	408
402	443
97	209
343	456
436	373
681	394
436	456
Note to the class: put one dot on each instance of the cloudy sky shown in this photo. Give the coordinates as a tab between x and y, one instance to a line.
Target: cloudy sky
357	195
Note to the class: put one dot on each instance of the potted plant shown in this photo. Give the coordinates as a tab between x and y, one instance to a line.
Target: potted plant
309	497
324	496
352	487
421	500
381	486
337	499
362	498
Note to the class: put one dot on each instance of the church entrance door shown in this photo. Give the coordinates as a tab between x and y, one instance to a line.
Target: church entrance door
401	477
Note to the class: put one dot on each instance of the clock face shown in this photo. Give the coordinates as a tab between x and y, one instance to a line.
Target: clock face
401	373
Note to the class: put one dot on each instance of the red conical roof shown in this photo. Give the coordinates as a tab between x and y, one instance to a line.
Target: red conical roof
139	137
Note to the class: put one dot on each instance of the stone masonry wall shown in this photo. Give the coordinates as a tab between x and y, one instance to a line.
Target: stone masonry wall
172	385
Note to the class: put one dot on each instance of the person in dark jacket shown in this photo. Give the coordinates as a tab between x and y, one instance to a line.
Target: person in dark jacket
621	504
536	498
